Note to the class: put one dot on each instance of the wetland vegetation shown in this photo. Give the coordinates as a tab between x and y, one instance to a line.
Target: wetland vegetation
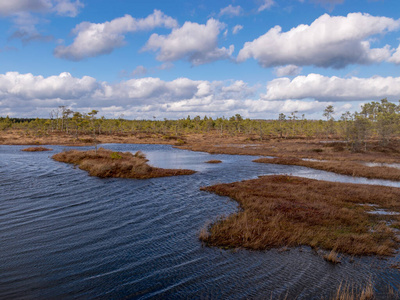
106	163
286	211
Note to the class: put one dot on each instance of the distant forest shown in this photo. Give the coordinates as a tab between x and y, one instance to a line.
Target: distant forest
376	120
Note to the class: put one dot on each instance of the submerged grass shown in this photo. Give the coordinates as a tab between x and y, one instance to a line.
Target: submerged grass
214	161
36	149
340	167
106	163
279	211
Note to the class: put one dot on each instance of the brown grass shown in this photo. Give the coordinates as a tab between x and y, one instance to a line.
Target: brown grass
348	292
279	211
36	149
106	163
215	143
339	167
214	161
332	257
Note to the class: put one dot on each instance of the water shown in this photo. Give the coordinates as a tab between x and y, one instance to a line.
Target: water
67	235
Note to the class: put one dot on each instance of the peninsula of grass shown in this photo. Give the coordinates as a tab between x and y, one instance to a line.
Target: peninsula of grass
36	149
287	211
106	163
349	168
214	161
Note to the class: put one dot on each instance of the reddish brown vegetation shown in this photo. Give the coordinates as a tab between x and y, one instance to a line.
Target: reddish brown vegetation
279	211
214	161
106	163
36	149
340	167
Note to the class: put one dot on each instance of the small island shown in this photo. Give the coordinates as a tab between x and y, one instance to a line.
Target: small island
106	163
36	149
214	161
286	211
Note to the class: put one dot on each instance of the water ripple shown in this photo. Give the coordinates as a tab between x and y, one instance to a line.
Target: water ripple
68	235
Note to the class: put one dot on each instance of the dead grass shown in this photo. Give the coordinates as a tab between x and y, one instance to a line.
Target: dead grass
214	161
332	257
36	149
279	211
106	163
340	167
349	292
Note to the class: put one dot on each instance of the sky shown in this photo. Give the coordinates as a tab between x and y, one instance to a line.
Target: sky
140	59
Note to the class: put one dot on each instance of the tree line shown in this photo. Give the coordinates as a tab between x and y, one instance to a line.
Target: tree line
375	121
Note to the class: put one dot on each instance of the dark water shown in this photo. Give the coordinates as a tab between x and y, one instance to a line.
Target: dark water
64	234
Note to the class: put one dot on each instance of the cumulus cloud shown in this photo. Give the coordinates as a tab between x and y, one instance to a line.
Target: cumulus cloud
67	8
28	87
236	29
266	5
61	7
8	8
96	39
328	42
27	95
322	88
395	57
195	42
24	16
289	70
232	11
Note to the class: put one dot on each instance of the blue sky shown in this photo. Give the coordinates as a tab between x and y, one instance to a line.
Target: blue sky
170	59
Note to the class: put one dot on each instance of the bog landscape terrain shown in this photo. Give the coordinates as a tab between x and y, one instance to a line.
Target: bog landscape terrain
339	221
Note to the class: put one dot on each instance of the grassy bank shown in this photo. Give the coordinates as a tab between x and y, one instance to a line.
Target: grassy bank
340	167
279	211
106	163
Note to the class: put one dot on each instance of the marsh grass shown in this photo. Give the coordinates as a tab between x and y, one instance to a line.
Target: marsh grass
214	161
106	163
279	211
332	257
349	168
36	149
350	292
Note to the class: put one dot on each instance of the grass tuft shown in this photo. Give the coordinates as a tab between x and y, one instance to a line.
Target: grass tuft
36	149
214	161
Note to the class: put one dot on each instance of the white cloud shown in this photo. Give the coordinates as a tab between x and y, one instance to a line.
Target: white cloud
289	70
28	87
24	15
139	71
232	11
67	8
61	7
11	7
395	57
27	95
236	29
328	42
97	39
322	88
266	5
195	42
